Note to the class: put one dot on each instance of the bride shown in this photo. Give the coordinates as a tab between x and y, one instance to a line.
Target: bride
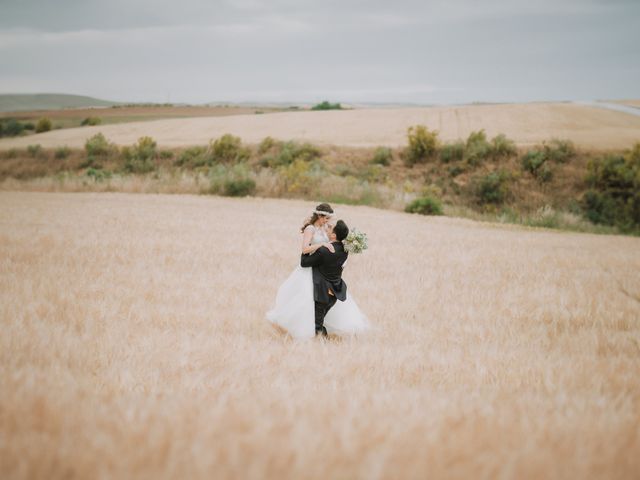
294	309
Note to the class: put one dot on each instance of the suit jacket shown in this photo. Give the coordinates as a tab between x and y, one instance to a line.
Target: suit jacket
327	272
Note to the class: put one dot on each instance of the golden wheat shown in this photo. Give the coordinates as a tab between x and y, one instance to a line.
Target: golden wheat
133	345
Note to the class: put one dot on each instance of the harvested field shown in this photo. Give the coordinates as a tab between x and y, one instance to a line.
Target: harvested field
134	346
527	124
69	118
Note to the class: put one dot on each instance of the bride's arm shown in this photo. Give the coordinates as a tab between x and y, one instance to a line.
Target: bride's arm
306	242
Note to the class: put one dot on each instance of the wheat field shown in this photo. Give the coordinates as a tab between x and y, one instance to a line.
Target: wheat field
133	345
527	124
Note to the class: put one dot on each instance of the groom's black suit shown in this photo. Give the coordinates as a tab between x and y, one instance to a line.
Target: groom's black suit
327	277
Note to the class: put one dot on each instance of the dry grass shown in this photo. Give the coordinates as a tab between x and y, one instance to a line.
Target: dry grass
526	124
133	345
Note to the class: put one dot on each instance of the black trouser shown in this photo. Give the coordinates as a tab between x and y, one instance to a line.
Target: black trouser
321	311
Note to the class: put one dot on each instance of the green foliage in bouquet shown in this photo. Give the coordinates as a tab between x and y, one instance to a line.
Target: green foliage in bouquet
356	241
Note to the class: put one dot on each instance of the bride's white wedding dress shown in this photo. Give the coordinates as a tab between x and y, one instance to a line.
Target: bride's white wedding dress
294	309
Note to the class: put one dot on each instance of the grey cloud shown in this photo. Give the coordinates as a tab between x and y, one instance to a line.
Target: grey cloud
436	51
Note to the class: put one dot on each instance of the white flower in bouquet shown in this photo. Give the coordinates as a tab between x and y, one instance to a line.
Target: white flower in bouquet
356	241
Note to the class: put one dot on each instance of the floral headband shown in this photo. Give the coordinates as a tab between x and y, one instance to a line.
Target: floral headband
320	212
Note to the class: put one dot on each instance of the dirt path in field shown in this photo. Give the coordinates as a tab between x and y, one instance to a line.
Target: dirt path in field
527	124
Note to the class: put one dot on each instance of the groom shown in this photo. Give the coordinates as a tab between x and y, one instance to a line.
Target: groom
328	286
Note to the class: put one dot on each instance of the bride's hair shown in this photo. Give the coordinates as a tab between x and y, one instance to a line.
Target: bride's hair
323	209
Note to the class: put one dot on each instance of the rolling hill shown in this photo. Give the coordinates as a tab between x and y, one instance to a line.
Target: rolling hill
13	102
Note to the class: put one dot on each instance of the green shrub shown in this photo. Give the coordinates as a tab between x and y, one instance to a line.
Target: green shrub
327	106
535	162
492	188
374	173
301	177
292	151
43	125
501	146
145	149
477	148
232	181
239	188
13	128
98	146
382	156
193	157
34	150
423	145
614	195
532	161
165	154
141	157
559	151
425	206
452	152
29	126
91	121
62	152
98	175
266	145
283	154
228	149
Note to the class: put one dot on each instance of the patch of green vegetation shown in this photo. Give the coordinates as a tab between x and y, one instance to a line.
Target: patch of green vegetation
301	176
98	174
90	121
451	152
327	106
34	150
141	157
613	197
559	151
423	145
98	145
425	206
278	154
43	125
229	149
535	162
61	153
10	127
492	189
194	157
231	180
503	147
382	156
477	148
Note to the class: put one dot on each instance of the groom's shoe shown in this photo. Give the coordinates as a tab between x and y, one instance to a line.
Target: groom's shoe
322	332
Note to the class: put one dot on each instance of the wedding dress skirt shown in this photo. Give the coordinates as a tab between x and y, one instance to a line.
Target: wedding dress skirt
295	310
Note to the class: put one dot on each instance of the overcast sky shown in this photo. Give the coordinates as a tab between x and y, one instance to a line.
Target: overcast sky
425	51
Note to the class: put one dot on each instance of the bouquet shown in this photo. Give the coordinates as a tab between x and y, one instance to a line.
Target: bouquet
356	241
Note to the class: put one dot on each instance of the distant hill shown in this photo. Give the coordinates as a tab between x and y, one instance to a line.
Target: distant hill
48	101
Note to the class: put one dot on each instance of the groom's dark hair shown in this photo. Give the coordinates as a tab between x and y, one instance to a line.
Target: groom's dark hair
341	230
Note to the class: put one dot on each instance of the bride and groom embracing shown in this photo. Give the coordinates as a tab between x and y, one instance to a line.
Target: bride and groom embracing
314	300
